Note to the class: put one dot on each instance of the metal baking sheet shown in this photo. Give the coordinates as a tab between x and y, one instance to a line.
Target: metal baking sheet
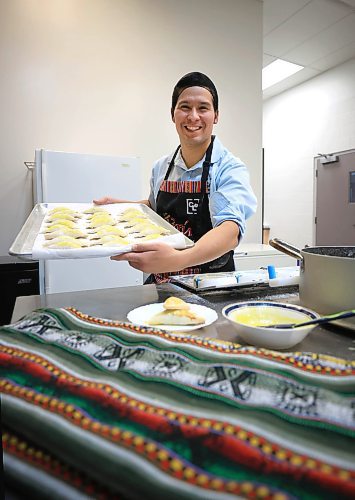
23	244
221	281
198	283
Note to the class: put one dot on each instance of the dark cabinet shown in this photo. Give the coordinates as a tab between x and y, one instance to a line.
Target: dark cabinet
17	278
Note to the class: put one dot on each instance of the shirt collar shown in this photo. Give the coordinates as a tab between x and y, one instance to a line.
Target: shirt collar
216	155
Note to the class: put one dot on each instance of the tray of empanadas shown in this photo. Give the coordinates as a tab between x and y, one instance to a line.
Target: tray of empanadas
83	230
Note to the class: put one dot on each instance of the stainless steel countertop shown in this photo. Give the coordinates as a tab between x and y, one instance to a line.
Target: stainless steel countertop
115	303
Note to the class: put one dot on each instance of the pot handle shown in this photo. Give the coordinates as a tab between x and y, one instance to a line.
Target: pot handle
286	248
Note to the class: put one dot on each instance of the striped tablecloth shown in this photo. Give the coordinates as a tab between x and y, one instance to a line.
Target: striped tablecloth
93	408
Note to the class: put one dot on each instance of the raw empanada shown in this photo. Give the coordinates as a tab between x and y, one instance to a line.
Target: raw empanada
99	215
93	210
60	215
70	243
147	237
106	230
65	231
115	243
101	221
130	214
112	238
147	228
59	224
61	209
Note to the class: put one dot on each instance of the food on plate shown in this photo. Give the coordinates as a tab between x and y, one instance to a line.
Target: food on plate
175	303
178	315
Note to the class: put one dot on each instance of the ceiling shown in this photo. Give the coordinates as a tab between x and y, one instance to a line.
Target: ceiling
317	34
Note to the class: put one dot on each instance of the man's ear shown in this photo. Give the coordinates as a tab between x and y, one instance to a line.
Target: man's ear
172	115
215	117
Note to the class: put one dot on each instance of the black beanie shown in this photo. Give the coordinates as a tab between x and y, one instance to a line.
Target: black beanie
194	79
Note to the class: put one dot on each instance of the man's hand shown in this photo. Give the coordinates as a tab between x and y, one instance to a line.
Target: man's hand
157	257
153	258
106	200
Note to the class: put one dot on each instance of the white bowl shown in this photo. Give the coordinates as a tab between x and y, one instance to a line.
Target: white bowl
249	317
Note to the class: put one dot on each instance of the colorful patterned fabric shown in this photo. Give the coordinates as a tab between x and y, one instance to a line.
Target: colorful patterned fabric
36	462
182	187
143	413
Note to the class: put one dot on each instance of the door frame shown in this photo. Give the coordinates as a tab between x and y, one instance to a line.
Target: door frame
326	156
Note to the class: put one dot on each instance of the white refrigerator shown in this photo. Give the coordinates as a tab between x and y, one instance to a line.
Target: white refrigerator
63	177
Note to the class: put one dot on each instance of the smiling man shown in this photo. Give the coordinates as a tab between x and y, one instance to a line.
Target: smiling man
201	189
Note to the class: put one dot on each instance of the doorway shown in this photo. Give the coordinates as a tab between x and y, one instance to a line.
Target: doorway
335	199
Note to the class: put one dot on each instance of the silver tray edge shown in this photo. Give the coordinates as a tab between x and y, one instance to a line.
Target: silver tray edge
23	244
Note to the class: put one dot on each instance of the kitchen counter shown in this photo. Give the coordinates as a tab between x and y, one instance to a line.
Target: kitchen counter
115	303
249	256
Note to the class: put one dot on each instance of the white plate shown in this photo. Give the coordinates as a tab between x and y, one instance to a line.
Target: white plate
141	316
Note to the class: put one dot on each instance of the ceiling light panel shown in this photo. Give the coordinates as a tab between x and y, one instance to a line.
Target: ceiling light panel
278	70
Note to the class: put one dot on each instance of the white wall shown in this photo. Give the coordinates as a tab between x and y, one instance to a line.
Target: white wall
315	117
96	76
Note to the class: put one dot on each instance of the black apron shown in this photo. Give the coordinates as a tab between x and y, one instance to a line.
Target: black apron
184	205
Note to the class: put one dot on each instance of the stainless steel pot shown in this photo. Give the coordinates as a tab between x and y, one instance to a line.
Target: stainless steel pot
327	276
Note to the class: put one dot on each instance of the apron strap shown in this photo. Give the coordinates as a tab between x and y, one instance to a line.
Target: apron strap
205	171
172	162
171	165
205	166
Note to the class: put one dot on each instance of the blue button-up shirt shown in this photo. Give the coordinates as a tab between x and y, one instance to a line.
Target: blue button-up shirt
230	194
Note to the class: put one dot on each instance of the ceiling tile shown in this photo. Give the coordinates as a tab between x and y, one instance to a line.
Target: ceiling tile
333	59
315	16
278	11
332	39
318	34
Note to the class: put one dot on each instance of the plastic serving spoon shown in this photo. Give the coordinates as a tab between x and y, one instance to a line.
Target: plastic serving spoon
318	321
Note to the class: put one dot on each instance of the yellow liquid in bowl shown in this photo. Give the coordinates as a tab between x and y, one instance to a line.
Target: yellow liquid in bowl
265	316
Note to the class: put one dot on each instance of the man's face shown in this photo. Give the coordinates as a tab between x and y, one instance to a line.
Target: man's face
194	116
